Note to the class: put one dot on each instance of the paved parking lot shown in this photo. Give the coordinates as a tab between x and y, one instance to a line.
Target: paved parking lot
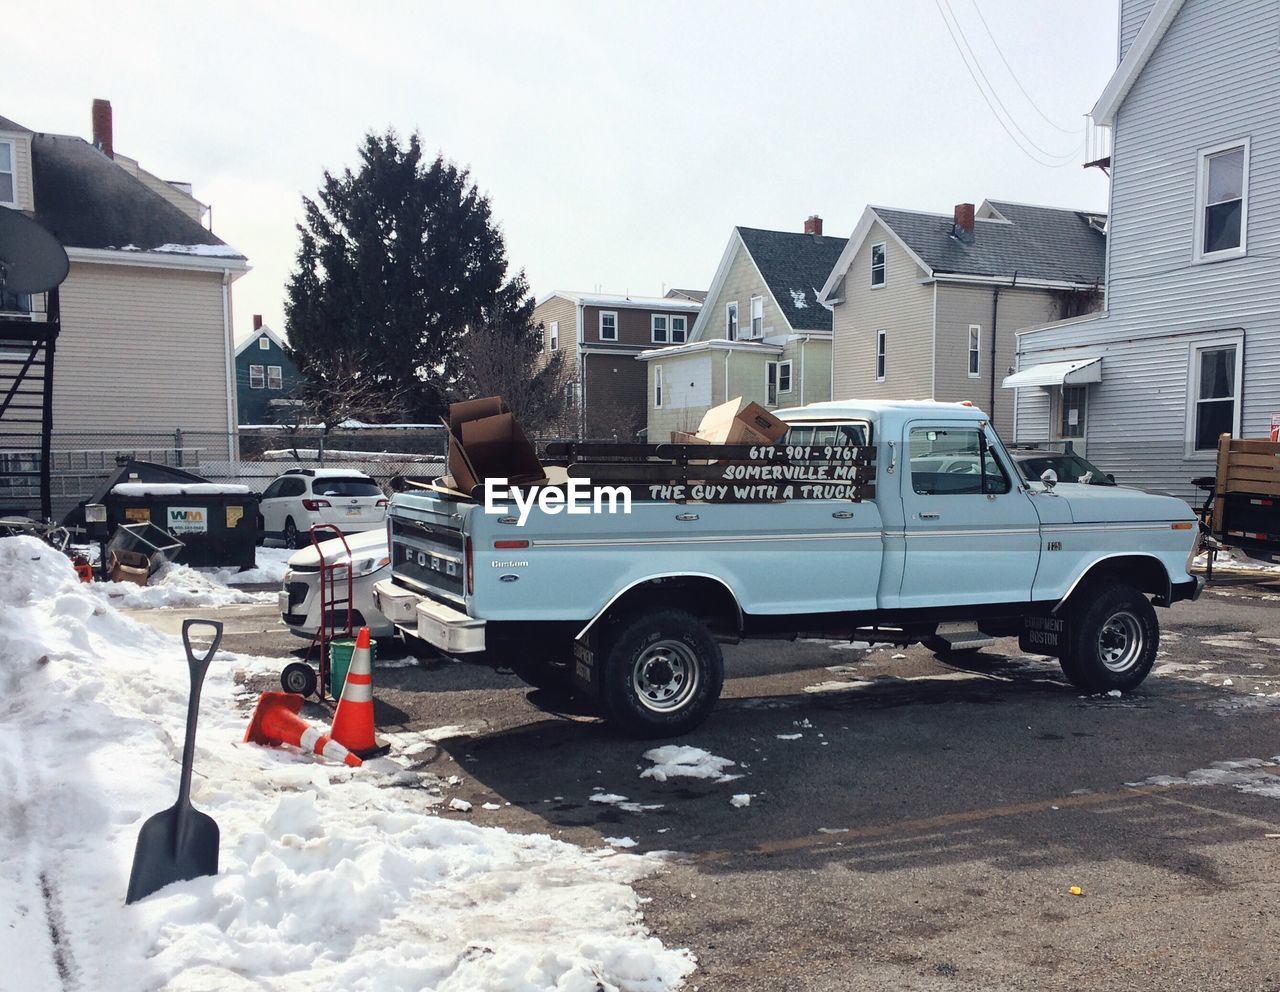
914	825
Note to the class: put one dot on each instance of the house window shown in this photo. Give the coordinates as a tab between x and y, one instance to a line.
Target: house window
264	343
257	380
757	316
1222	183
1216	391
731	321
553	336
657	386
275	377
608	325
1071	415
679	329
8	174
658	328
880	355
877	265
777	379
975	351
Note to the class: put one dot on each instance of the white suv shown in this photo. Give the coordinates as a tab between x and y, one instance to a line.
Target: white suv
301	497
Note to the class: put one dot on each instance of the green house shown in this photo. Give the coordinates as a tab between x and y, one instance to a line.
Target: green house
267	381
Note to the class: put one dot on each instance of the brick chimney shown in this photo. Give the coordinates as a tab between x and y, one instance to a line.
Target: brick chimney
963	222
102	128
257	321
813	225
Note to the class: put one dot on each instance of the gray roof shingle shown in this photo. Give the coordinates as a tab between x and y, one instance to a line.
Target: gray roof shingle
1045	243
794	267
8	125
88	201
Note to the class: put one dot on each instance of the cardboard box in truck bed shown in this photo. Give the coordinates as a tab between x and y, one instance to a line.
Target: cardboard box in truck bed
486	441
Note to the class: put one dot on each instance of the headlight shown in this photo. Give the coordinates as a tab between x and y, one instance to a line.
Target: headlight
367	566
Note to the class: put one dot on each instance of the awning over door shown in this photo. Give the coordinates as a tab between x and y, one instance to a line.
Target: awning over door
1075	373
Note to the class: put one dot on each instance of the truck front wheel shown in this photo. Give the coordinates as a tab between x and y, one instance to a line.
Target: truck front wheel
662	674
1114	639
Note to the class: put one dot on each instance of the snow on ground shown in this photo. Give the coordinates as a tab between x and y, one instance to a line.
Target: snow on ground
330	877
176	586
1245	775
676	760
269	567
1233	559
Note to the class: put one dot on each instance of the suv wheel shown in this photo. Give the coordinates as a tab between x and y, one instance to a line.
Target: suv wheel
291	535
662	673
1114	639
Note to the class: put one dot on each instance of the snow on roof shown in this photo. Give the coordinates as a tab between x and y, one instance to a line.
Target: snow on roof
628	300
207	251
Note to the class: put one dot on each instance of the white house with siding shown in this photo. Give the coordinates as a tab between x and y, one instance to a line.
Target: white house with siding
146	343
1188	345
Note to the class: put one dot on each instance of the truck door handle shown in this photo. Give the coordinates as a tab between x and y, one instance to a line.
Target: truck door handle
842	514
927	516
686	516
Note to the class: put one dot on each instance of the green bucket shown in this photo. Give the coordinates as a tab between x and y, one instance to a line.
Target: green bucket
340	652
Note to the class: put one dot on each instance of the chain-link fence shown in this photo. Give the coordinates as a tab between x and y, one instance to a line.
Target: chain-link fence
81	462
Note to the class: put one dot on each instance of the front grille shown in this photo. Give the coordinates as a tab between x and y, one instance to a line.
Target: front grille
297	594
428	567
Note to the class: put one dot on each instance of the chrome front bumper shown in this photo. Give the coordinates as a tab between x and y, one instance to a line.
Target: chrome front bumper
443	627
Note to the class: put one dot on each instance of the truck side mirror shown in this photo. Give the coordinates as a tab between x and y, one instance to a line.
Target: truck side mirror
1049	477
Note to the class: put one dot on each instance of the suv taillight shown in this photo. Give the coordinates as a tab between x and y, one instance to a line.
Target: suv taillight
382	502
314	504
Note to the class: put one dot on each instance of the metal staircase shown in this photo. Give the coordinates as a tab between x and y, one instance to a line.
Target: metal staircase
27	348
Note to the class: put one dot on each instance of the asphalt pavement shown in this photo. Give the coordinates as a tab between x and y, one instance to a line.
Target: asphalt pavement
911	824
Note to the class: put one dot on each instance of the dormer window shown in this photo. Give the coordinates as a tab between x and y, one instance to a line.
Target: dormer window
8	173
1222	188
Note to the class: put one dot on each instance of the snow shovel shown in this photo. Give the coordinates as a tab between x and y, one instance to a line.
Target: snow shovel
181	842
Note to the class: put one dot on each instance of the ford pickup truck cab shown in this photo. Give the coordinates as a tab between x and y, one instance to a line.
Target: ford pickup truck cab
632	608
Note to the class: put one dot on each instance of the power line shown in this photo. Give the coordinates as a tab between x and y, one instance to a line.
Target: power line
1014	76
993	102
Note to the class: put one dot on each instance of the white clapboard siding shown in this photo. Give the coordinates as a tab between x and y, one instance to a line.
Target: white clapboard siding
1214	78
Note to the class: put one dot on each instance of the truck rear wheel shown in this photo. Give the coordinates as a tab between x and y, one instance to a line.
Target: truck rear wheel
662	674
1113	641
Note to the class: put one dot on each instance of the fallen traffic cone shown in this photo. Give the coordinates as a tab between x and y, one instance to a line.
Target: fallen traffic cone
276	721
353	719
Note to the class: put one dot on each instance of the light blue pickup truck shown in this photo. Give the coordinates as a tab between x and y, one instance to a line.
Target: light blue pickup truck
933	525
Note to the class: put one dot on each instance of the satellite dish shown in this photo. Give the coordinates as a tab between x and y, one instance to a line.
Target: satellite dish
31	259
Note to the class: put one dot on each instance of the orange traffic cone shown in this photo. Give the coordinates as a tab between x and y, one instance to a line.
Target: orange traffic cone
276	721
353	719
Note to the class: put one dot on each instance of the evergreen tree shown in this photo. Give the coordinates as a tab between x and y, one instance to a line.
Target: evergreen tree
395	262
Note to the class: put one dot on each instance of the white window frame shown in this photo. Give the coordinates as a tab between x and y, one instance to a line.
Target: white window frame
258	373
731	330
603	315
553	336
754	333
1199	255
666	328
975	349
657	387
784	370
1193	388
264	343
13	170
882	355
684	327
883	267
275	373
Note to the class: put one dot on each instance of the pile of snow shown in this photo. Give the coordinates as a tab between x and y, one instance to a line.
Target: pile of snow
180	489
676	760
1233	559
269	567
176	586
330	877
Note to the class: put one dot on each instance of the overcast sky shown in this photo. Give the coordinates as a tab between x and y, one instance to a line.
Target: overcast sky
618	143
